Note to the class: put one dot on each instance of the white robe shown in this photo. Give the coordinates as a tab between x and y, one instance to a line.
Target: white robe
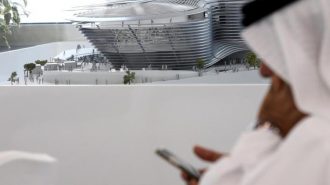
261	158
295	43
22	168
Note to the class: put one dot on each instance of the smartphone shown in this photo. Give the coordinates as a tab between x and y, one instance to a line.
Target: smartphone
175	161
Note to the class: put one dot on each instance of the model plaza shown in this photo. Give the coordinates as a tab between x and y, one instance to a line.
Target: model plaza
164	35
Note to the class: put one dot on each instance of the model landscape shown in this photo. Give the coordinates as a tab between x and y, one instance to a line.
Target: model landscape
134	42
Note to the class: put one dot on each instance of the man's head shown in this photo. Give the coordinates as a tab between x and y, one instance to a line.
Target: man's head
294	41
279	106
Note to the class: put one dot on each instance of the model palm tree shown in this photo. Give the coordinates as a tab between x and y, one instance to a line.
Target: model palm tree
129	77
10	15
29	68
200	64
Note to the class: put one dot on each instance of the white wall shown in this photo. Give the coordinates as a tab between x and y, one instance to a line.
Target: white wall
90	78
107	135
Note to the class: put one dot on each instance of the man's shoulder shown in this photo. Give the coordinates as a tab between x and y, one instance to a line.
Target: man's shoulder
311	133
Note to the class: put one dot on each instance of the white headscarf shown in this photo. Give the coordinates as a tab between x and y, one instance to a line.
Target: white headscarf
295	43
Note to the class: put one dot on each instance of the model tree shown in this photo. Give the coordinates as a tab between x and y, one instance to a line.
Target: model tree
9	16
129	77
253	60
41	62
13	78
29	67
200	64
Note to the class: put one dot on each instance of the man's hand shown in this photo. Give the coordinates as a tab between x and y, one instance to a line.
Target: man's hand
279	108
206	155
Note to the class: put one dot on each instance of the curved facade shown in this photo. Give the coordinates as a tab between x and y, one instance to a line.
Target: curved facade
159	33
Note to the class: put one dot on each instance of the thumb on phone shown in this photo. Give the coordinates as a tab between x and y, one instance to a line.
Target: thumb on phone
207	154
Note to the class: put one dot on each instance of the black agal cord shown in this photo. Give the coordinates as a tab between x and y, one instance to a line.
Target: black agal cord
258	9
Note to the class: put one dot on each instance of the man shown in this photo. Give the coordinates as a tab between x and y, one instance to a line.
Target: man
291	145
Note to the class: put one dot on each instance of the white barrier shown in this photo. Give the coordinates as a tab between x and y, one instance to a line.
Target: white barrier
107	135
106	78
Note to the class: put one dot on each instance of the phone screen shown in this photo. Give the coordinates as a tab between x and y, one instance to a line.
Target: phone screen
171	158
